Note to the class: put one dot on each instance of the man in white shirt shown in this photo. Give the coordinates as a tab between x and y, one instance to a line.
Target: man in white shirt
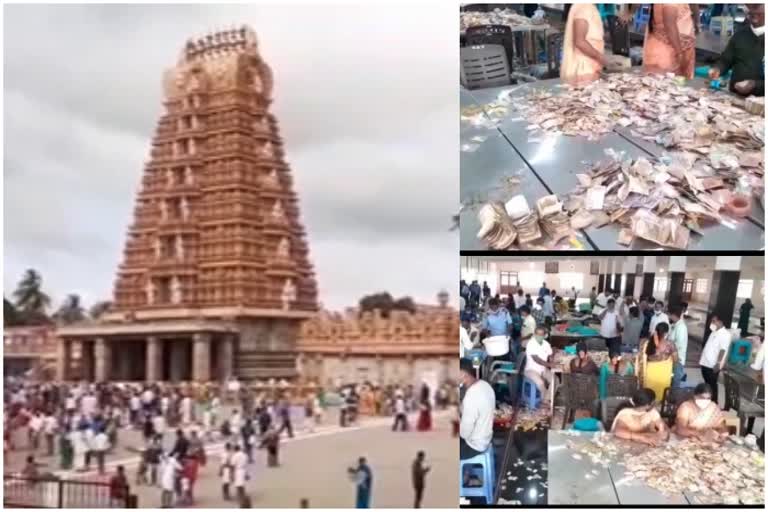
465	341
50	427
659	316
99	445
35	429
519	299
529	326
549	308
537	365
712	361
401	414
609	328
602	299
678	334
477	411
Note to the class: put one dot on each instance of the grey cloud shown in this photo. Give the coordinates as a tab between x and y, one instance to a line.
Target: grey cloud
366	102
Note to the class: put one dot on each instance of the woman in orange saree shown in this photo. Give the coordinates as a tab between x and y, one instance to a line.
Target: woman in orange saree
670	41
583	45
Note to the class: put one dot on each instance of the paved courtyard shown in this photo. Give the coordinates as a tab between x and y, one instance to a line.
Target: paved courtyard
314	466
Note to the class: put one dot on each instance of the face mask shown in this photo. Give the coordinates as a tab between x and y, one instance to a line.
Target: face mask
712	327
702	403
540	339
658	312
758	31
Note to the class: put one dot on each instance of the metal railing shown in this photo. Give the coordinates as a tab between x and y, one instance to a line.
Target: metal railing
53	492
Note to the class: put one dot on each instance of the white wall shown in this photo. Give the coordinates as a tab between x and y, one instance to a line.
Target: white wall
580	266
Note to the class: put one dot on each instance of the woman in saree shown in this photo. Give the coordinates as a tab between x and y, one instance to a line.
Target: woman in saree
425	416
670	40
638	420
658	356
700	417
583	45
617	366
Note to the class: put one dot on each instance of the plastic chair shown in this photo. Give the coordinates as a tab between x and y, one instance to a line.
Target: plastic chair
485	66
740	352
671	400
492	34
642	15
621	385
579	392
487	473
531	394
608	408
745	409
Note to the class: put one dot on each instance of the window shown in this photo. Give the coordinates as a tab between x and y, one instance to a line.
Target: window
702	286
508	279
571	279
660	285
744	291
687	285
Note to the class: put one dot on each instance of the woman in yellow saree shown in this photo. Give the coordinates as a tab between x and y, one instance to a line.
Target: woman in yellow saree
583	45
656	360
670	40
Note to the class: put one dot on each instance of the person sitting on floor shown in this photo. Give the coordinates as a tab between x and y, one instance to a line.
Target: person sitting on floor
700	417
477	411
638	420
583	363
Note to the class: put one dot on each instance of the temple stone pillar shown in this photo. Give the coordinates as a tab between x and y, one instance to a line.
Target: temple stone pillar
153	358
179	360
86	360
103	360
201	357
63	357
226	346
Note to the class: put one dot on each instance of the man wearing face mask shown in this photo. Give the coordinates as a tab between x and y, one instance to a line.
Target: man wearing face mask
477	409
745	56
659	316
701	418
678	335
537	364
715	353
497	322
609	328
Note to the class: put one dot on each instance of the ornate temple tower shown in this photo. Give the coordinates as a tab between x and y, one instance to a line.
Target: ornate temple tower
216	235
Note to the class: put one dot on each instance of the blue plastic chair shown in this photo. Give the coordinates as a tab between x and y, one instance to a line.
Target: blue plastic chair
530	394
488	474
741	351
642	15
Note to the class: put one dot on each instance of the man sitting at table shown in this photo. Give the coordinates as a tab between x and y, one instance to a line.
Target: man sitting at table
537	363
583	363
700	417
745	55
638	420
529	326
477	410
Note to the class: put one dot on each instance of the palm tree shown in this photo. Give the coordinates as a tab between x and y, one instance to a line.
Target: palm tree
100	308
30	298
71	310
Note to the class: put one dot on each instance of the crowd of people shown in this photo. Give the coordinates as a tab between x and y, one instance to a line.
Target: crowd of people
644	338
83	423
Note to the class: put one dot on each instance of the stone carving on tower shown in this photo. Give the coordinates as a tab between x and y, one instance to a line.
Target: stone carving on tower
216	199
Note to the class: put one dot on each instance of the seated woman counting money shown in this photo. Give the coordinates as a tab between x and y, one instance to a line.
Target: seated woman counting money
700	417
639	421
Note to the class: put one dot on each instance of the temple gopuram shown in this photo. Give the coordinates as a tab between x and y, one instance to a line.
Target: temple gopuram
215	278
356	347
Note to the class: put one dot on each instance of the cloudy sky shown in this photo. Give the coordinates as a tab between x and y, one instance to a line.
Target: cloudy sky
365	97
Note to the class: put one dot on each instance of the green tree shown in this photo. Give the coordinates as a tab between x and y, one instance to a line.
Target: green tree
71	311
31	301
99	309
385	303
10	315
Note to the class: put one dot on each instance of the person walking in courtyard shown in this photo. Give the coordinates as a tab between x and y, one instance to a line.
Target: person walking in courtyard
284	410
363	478
239	472
226	471
271	442
401	417
168	474
418	475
